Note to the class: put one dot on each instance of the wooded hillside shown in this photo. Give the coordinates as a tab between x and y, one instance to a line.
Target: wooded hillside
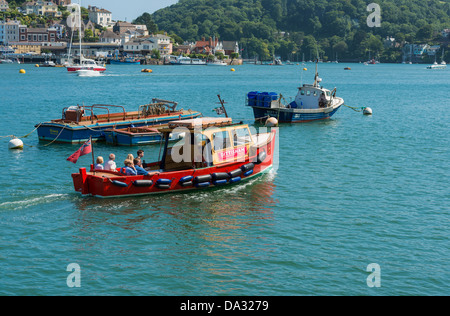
292	27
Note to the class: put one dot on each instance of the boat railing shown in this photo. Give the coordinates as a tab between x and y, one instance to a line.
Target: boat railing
107	107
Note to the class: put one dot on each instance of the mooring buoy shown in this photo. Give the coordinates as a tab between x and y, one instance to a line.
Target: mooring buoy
367	111
271	122
15	143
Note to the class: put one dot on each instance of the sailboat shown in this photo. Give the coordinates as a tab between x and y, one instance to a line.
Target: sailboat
84	63
442	65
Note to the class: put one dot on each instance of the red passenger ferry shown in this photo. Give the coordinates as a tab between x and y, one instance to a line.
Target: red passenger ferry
214	152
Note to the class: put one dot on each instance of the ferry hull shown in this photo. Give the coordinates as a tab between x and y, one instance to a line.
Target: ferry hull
107	184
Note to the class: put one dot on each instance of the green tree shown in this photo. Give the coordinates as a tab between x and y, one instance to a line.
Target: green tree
155	53
425	33
147	20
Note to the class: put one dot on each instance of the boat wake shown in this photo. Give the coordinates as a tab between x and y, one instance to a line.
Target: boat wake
27	202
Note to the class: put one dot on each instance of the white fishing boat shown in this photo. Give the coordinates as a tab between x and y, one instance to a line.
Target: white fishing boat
10	61
313	102
217	63
187	61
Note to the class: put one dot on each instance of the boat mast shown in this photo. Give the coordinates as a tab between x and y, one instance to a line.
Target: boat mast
316	76
79	28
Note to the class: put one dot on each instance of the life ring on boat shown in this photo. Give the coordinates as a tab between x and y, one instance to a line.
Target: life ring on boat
119	183
261	157
143	183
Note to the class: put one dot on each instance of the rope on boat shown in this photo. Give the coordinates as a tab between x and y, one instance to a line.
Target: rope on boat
356	109
55	138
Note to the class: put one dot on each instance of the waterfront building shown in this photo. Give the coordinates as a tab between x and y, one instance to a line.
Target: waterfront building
94	50
4	6
38	35
40	7
62	2
10	31
142	46
100	16
109	37
163	43
121	27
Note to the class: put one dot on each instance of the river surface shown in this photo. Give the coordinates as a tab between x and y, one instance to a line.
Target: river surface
346	193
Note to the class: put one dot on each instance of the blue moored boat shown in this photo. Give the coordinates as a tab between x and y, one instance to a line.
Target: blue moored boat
125	61
143	135
312	103
79	123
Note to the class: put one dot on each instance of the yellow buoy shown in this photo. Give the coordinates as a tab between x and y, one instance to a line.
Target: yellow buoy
232	69
37	65
22	71
305	69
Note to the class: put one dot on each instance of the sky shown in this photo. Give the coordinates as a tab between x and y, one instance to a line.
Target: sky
127	10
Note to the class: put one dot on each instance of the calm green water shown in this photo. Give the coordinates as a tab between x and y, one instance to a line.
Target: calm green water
348	192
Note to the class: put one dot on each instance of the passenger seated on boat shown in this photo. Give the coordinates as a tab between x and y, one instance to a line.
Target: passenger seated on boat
111	165
129	168
99	165
140	154
138	167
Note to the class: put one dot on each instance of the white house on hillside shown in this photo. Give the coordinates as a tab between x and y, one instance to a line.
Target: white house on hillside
100	16
4	6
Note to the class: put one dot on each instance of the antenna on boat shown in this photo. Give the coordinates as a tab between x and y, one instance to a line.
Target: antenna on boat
222	102
316	76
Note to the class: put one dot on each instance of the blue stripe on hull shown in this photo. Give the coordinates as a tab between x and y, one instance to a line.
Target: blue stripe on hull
80	134
291	117
127	140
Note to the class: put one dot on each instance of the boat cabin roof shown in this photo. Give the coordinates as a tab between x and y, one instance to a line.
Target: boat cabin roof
203	122
217	138
311	87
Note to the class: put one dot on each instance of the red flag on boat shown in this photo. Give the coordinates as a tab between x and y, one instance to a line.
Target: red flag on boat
84	150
